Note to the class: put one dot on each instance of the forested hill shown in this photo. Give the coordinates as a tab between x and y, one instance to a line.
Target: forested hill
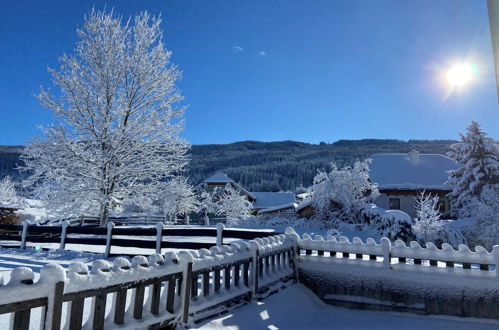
287	165
272	166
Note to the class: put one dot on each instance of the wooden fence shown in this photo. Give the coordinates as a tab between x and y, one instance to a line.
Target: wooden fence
139	219
122	236
400	256
160	291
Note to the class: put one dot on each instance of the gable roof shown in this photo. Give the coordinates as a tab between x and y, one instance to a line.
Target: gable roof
266	200
218	177
411	171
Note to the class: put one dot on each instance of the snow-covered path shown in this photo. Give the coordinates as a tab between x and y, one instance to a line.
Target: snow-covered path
298	308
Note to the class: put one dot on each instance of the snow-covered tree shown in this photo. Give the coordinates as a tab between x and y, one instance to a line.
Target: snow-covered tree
486	231
427	221
179	198
428	226
232	204
8	193
118	121
206	203
341	194
478	156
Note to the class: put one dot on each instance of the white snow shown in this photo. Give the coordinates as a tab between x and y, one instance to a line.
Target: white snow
298	308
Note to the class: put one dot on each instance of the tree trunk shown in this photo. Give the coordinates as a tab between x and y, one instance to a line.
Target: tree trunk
104	214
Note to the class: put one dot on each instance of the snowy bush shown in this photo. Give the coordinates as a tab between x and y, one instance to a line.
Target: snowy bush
8	193
232	204
338	196
393	224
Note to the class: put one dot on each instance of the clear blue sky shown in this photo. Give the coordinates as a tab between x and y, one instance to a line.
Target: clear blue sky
276	70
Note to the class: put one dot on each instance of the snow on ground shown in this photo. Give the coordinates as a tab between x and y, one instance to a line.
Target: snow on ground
298	308
13	258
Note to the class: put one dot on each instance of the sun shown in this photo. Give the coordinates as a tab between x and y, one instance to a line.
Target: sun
460	74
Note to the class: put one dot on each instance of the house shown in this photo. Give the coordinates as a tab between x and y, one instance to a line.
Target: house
402	177
262	201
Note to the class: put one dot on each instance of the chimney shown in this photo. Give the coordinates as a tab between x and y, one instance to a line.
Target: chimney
414	157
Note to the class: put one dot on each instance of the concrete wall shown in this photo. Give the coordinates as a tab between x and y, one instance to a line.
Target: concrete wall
347	284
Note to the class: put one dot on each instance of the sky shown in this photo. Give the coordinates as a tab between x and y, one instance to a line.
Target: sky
271	70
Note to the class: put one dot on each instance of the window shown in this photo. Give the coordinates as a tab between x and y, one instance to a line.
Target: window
394	203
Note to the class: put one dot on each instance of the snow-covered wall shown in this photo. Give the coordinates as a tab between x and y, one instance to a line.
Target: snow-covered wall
399	276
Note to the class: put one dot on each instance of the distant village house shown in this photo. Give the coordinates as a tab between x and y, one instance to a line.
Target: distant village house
402	177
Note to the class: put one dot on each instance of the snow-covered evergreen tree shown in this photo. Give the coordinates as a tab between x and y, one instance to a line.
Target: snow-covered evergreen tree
427	221
429	227
478	156
341	194
118	121
232	204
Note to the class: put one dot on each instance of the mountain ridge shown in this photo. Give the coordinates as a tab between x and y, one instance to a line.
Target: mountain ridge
271	166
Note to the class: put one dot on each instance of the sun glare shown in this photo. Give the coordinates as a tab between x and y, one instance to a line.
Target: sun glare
460	74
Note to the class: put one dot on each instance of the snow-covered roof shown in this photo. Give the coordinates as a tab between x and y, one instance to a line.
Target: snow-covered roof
412	171
303	204
218	177
265	200
278	208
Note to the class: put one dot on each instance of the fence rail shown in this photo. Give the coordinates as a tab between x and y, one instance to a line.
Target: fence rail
141	219
154	292
123	236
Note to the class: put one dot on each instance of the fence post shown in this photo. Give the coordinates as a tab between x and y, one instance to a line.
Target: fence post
159	236
294	253
188	220
55	276
24	234
187	284
495	251
255	254
206	220
110	226
385	248
64	229
220	234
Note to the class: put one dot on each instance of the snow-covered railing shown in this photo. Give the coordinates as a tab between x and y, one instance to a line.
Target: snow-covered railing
156	291
399	256
133	237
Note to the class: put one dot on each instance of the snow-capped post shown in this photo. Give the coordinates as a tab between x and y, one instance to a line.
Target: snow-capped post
385	248
206	220
109	237
64	228
54	275
254	268
24	233
220	234
495	251
188	220
186	258
290	232
159	236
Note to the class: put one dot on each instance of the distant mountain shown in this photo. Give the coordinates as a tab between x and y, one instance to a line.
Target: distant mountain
272	166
